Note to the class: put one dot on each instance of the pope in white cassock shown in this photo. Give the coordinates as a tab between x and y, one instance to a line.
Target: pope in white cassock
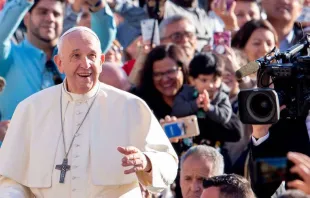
83	138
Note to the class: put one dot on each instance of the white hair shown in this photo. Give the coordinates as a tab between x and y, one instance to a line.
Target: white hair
73	29
171	20
210	153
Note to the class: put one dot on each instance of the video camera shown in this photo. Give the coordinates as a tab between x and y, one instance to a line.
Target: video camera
289	73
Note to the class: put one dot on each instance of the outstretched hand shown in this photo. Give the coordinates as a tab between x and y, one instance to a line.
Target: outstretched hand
226	14
135	159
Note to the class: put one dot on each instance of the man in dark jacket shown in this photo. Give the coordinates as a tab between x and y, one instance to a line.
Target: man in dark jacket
282	137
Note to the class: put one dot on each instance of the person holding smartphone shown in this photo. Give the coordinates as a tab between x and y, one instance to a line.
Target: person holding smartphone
207	98
270	141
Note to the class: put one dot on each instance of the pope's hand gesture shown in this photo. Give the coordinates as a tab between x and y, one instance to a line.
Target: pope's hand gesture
135	159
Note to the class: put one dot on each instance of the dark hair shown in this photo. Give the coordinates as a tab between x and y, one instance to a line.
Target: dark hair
230	186
242	36
207	64
37	1
172	51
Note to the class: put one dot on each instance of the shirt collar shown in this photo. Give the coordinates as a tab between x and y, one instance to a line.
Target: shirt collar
290	36
35	52
72	97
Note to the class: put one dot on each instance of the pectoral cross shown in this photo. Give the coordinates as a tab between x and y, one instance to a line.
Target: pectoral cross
64	167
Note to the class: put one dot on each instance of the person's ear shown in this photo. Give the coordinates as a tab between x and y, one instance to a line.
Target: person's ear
58	62
27	20
191	81
102	59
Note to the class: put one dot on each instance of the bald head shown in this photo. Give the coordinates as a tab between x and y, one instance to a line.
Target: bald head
115	76
73	31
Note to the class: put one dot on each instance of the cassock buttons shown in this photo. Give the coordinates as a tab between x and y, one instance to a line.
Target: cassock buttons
73	189
77	145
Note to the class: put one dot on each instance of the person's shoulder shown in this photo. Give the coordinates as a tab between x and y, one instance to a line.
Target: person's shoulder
115	93
225	89
39	102
187	89
223	95
123	98
43	96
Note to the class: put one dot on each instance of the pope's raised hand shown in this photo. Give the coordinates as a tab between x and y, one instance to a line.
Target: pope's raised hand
135	159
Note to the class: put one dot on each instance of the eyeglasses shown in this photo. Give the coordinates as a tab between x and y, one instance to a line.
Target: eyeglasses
50	75
117	49
178	36
171	73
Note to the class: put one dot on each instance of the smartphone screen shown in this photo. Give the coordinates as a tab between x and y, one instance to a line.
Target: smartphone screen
229	3
270	170
147	29
221	39
175	129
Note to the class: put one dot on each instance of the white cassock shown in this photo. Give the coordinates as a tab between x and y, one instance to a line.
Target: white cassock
33	146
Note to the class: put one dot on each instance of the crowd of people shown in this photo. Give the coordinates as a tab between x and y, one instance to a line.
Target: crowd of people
94	54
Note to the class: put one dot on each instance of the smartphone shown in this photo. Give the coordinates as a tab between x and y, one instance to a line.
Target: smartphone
183	128
147	29
270	170
220	39
229	3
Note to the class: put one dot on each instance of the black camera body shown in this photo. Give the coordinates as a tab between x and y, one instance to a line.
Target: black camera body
289	73
258	106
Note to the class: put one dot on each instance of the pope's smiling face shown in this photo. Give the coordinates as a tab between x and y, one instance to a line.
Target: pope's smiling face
80	59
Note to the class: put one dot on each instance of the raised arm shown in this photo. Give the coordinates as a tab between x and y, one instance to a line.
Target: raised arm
103	24
131	13
71	15
10	18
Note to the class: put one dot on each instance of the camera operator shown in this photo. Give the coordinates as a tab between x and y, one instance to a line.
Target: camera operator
289	74
275	141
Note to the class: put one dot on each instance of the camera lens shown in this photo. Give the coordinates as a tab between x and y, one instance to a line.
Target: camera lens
261	105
